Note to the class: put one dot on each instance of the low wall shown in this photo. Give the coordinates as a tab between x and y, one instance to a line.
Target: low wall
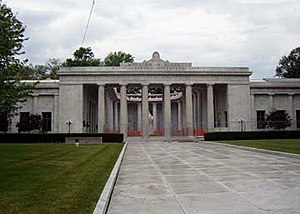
83	140
56	137
252	135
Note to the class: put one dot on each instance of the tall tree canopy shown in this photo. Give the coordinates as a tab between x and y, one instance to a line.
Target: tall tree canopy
52	66
12	36
82	57
289	66
40	72
115	58
278	119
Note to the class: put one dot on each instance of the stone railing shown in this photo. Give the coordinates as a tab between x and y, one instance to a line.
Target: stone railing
151	97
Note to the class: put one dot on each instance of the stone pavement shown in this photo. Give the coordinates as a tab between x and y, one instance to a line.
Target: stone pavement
176	178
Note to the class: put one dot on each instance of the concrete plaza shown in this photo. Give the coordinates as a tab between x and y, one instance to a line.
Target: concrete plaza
204	178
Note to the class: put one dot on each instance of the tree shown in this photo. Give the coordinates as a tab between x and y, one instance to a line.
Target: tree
3	122
27	124
278	119
41	72
289	66
53	65
12	90
115	58
82	57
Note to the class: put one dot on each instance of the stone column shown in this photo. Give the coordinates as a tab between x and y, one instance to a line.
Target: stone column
93	117
116	116
109	106
196	126
252	113
204	108
271	102
124	112
291	110
101	108
145	111
139	116
179	126
183	115
194	109
210	107
55	112
154	106
199	109
167	112
35	109
189	110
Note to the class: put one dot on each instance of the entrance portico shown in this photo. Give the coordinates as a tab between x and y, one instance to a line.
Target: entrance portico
153	98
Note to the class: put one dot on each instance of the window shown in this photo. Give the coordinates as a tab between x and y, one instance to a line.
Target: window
24	116
46	116
261	119
298	118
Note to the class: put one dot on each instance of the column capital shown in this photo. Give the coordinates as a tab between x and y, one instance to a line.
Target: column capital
145	84
35	95
210	84
188	84
291	94
123	84
271	94
167	84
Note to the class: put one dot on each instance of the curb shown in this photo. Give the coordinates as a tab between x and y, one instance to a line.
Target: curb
104	199
270	152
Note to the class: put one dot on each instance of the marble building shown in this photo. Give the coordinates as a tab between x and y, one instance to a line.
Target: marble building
159	98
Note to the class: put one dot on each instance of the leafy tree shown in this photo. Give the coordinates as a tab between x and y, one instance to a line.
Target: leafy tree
82	57
115	58
278	119
12	90
27	124
53	65
40	72
33	72
289	66
36	122
3	122
24	124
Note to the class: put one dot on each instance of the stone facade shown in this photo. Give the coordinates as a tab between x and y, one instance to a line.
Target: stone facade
160	98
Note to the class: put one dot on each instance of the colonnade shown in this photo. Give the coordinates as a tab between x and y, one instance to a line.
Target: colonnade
187	109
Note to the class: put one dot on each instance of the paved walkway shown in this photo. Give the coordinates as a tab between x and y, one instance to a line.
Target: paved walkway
176	178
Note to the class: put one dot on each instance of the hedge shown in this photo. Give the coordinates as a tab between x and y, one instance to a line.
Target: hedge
55	137
252	135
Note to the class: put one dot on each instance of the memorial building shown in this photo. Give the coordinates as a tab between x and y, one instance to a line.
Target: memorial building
159	98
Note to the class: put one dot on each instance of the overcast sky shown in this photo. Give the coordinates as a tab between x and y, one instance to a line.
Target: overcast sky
252	33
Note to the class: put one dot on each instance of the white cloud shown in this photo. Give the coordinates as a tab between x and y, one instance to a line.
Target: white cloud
254	33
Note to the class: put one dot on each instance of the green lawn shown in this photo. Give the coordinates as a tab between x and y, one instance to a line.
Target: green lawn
54	178
283	145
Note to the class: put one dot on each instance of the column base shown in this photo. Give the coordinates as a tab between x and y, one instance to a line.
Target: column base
189	132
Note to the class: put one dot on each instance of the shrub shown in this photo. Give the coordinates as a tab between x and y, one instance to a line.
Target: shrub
278	119
55	137
27	124
3	122
252	135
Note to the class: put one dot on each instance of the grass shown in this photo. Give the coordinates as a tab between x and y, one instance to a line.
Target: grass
283	145
54	178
